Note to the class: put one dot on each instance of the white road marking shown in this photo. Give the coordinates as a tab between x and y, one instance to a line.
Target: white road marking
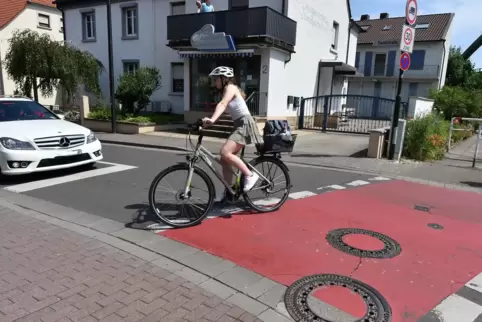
34	185
379	179
357	183
475	283
267	202
333	186
301	194
457	309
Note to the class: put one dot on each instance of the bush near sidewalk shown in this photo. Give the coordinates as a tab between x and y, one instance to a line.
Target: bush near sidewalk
426	138
105	114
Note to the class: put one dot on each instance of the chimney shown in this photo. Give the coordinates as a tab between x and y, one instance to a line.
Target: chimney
364	17
384	15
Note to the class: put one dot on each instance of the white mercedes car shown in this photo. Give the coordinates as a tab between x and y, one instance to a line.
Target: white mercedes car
33	139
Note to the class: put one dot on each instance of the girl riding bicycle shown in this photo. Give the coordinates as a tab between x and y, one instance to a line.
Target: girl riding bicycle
245	129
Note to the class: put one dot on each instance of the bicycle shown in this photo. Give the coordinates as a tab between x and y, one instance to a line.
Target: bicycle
200	153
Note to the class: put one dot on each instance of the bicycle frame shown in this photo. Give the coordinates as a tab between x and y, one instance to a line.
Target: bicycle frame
206	156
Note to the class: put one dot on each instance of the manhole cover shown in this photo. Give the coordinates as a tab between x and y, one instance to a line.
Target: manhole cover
391	247
297	302
436	226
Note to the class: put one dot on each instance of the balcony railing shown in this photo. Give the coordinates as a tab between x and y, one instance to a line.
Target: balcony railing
239	23
427	71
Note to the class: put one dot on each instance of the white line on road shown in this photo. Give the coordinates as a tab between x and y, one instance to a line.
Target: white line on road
34	185
379	179
457	309
475	283
357	183
333	186
301	194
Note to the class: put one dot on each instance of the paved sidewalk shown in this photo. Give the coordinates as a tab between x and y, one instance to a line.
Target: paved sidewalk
53	270
454	172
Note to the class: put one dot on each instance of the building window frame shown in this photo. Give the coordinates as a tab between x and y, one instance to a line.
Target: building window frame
176	87
89	32
130	20
43	25
130	65
177	5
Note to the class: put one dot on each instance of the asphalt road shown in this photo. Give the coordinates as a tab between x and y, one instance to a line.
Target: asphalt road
119	190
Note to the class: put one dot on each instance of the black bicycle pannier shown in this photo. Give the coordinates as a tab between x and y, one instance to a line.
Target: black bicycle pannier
277	137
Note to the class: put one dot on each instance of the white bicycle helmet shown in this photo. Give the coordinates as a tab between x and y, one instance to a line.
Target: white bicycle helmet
222	71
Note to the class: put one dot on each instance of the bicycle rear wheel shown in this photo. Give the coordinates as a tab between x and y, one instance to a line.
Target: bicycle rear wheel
183	211
279	180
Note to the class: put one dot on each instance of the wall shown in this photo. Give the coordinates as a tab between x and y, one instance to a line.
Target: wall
447	44
314	35
28	18
419	107
149	49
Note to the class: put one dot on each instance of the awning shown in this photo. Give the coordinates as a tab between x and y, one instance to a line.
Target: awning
340	67
213	54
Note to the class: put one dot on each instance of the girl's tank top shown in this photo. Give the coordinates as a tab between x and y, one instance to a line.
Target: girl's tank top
237	108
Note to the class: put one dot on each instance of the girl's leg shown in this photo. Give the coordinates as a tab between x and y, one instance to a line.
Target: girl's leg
229	159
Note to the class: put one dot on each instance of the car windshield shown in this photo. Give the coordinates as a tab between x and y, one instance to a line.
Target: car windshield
18	110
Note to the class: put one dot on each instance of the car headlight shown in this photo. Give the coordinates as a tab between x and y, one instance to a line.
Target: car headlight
13	144
91	137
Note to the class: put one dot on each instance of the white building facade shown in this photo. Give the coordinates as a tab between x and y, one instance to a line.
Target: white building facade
40	16
283	48
378	56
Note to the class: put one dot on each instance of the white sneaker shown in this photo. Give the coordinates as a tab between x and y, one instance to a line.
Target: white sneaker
249	182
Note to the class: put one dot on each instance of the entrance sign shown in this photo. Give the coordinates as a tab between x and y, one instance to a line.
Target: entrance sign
405	61
206	39
411	12
408	38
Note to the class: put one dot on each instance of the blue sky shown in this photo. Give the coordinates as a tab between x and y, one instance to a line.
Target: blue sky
466	26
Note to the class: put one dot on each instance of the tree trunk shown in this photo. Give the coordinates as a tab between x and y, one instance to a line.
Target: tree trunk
35	89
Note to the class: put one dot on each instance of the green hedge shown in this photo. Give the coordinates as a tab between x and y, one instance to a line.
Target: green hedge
426	138
105	114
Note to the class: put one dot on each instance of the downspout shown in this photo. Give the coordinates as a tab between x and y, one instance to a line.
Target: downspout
443	63
348	46
283	7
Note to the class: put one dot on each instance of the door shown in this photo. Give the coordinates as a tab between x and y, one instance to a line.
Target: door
412	89
380	61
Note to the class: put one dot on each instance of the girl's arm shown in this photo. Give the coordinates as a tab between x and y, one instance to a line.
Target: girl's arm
229	94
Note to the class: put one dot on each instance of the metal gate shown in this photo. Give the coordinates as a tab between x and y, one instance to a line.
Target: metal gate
347	113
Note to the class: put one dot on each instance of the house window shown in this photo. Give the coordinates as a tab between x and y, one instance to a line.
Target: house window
334	40
43	21
238	4
417	60
178	8
61	25
387	28
380	61
422	26
88	26
177	74
131	66
130	22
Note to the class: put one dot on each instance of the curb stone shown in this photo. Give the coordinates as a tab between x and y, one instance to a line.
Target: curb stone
249	291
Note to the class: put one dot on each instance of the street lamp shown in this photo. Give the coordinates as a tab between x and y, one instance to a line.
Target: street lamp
111	66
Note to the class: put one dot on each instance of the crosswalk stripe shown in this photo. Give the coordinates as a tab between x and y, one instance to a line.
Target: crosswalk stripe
379	179
301	194
357	183
333	186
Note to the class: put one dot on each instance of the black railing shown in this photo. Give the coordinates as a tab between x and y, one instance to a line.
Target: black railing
347	113
257	103
239	23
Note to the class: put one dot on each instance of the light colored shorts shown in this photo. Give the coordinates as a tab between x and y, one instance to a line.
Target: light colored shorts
245	131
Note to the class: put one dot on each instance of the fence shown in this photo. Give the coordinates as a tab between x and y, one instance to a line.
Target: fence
347	113
257	103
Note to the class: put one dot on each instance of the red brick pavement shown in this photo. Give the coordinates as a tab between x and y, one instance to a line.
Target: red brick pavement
48	273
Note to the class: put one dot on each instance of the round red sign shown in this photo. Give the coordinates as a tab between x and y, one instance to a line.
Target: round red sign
411	11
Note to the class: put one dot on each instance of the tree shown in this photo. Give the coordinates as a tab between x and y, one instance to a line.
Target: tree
459	69
454	101
136	88
36	63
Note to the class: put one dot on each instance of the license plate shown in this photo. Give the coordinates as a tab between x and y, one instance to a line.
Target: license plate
72	152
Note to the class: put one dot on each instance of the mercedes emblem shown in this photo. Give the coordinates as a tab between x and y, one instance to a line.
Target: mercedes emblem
64	142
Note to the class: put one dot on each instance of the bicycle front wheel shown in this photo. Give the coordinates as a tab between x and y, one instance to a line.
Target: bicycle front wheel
271	193
167	198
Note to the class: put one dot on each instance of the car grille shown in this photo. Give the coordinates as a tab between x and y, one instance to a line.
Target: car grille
53	142
63	160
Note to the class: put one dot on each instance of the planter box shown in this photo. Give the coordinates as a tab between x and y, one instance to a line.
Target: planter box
126	127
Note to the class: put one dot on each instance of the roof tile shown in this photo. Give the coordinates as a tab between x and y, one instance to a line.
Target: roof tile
375	33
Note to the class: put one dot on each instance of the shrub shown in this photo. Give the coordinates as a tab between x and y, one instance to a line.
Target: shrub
426	138
105	114
457	101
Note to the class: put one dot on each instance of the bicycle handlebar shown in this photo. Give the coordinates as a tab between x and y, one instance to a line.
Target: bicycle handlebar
197	126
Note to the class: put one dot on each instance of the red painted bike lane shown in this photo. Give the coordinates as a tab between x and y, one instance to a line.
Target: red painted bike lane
291	243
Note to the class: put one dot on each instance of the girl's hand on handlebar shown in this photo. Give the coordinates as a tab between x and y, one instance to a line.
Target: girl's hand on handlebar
207	121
